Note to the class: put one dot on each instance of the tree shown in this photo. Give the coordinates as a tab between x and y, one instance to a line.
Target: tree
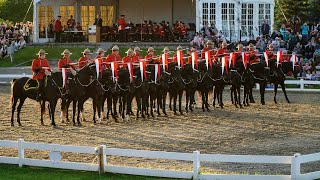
15	10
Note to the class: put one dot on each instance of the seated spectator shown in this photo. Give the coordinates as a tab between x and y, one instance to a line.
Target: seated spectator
297	49
308	75
314	76
4	51
22	43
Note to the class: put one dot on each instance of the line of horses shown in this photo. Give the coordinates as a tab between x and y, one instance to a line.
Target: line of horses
151	91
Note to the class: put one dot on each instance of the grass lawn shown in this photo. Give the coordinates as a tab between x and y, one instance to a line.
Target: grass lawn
13	172
29	53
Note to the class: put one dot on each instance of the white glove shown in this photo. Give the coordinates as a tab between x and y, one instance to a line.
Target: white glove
73	72
48	73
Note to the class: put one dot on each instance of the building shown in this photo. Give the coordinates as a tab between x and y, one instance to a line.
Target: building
234	18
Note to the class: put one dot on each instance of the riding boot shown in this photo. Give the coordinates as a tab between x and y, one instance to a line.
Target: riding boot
40	91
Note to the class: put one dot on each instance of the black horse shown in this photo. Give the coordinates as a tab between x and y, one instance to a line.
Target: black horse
189	78
141	93
176	86
24	88
204	83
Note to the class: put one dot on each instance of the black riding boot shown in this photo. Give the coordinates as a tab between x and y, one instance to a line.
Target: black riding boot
40	91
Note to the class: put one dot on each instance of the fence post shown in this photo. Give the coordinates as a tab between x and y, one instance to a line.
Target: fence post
101	159
196	164
20	152
301	84
295	167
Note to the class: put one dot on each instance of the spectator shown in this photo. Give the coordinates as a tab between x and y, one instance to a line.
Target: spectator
11	50
314	76
283	31
58	29
308	75
22	43
265	28
305	32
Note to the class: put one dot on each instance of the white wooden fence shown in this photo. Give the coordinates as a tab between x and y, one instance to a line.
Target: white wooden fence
102	165
302	83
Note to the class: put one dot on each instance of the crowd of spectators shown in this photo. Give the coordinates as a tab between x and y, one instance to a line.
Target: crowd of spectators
14	37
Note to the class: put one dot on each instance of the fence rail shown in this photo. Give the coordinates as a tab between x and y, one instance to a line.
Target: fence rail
102	166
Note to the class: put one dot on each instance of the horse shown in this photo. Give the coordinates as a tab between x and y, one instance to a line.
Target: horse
21	90
176	86
141	92
204	84
189	78
126	88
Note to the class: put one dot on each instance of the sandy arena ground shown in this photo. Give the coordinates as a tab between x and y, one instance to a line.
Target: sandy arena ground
273	129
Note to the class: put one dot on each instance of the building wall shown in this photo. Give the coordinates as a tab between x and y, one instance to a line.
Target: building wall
184	10
155	10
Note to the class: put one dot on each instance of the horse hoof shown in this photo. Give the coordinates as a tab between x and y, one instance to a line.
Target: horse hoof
288	101
181	113
12	125
54	124
79	124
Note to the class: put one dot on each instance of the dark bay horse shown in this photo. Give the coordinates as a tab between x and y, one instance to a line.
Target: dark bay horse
24	88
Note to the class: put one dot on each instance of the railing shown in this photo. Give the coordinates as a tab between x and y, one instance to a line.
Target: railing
301	83
9	77
102	165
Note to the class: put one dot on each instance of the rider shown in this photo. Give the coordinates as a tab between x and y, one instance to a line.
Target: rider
85	59
65	62
150	57
113	57
175	56
100	53
223	51
253	58
130	58
237	56
137	55
208	47
40	68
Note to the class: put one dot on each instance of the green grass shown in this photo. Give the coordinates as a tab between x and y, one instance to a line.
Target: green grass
144	52
13	172
29	53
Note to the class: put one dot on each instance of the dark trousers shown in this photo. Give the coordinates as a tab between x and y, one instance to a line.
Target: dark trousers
58	35
122	36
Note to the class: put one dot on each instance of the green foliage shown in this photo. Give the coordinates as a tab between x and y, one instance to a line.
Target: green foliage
15	10
305	9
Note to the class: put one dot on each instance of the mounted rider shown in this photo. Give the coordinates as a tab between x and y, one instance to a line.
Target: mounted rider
253	58
130	58
113	57
175	56
208	47
150	57
40	68
65	62
85	59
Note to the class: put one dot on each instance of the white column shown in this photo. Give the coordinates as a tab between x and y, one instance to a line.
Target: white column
237	19
198	14
35	23
218	15
272	16
256	19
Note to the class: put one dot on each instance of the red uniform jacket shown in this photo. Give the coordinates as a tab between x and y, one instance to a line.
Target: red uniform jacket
204	50
128	59
150	58
253	58
62	62
39	75
175	59
222	52
121	24
112	58
83	62
57	26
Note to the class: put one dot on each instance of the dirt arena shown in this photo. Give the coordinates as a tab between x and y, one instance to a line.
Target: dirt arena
273	129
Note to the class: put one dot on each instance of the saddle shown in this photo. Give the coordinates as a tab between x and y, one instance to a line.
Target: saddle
31	84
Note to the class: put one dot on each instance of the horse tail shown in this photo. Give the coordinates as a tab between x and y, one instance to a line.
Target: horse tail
12	97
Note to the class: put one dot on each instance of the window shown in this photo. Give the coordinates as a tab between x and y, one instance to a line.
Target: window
208	13
232	20
42	26
247	20
87	16
46	19
224	16
106	15
264	13
65	13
